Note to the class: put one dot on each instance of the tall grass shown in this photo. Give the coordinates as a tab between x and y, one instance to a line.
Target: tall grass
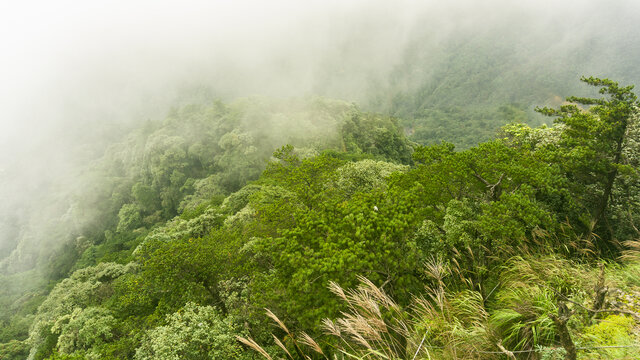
438	326
451	323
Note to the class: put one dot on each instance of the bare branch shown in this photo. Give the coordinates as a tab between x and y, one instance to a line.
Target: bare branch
509	354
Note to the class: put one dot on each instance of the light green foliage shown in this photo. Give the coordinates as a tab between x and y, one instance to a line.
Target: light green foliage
83	329
613	330
522	136
129	218
204	191
66	304
76	356
364	175
239	199
522	317
194	332
455	231
453	323
179	228
628	274
240	218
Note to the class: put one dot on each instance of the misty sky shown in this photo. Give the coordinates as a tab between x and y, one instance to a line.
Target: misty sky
65	63
71	70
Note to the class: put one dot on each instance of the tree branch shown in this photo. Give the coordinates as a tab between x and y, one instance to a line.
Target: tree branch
509	354
491	187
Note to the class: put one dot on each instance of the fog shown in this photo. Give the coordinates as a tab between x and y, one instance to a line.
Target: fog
76	75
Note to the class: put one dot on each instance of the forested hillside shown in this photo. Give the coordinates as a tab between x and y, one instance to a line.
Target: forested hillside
358	242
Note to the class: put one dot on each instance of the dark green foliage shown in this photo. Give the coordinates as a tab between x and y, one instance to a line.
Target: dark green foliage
462	126
173	273
145	197
373	134
591	149
14	350
330	237
20	297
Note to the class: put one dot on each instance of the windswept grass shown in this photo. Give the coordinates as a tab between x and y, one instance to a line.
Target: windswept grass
441	325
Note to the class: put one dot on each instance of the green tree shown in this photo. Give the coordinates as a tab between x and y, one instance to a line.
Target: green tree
324	234
194	332
62	313
129	217
84	328
175	271
478	205
591	146
365	175
146	197
377	135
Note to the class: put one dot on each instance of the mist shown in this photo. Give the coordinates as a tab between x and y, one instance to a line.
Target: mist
77	76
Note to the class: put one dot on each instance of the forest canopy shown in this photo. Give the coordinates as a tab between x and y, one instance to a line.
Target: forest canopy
359	242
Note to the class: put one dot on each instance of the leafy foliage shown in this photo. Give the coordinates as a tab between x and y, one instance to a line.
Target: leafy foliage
67	319
194	332
191	229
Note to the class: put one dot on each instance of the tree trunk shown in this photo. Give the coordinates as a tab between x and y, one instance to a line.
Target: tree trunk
560	320
611	178
600	291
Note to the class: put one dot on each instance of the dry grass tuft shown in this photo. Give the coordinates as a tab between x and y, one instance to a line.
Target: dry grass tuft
281	345
277	321
252	344
308	341
632	251
443	326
